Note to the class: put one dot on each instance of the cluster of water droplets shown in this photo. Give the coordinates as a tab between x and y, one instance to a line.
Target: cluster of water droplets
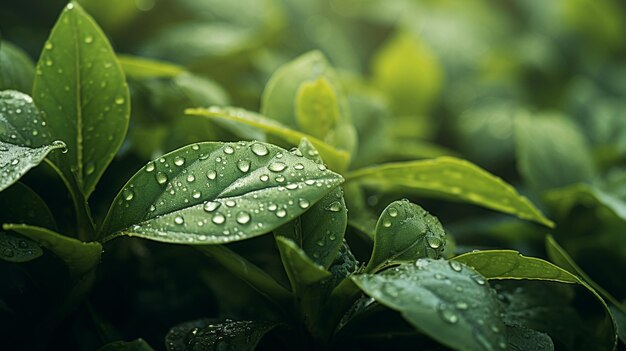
226	192
15	249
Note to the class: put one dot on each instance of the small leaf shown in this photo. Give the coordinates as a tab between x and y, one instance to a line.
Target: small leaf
447	301
17	70
14	249
135	345
522	338
80	87
336	159
79	257
320	230
301	270
551	152
452	178
317	109
212	335
508	264
215	193
404	233
141	68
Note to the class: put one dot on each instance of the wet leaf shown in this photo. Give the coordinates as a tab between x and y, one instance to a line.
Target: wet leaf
17	70
14	249
447	301
135	345
79	257
451	178
301	270
336	159
404	233
209	335
215	193
81	89
521	339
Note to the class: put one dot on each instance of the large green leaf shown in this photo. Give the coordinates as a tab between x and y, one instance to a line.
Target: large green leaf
17	70
142	68
452	178
447	301
81	88
212	335
320	230
80	257
336	159
404	233
24	137
507	264
215	193
551	152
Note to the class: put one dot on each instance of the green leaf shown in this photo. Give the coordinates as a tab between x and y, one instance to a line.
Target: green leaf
301	270
14	249
452	178
141	68
17	70
254	276
80	257
317	109
20	204
447	301
215	193
135	345
411	76
508	264
212	335
404	233
336	159
551	152
24	138
320	230
80	87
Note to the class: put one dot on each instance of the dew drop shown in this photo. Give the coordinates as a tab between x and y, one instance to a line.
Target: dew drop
15	161
88	39
448	314
243	217
191	178
128	194
161	178
228	150
212	174
303	203
277	167
179	161
479	280
264	178
150	167
259	149
393	212
386	223
461	305
119	100
218	218
456	266
179	220
335	206
230	203
281	213
243	165
196	194
433	242
211	206
48	46
299	166
90	168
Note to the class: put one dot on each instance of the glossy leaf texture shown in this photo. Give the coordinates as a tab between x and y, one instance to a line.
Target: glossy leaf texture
14	249
552	152
141	68
301	270
24	137
79	257
80	87
215	193
135	345
17	70
212	335
321	229
451	178
447	301
336	159
20	204
404	233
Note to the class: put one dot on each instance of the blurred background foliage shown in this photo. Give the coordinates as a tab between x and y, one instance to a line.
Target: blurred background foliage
532	90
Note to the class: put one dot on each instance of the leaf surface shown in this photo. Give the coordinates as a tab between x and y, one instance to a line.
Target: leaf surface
447	301
451	178
17	70
142	68
80	87
404	233
135	345
215	193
